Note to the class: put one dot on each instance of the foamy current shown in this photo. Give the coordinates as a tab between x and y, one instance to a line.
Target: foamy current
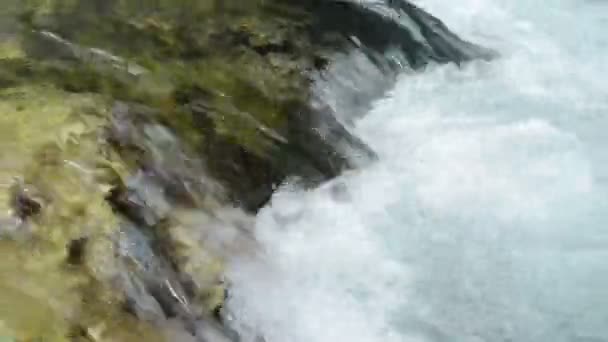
486	216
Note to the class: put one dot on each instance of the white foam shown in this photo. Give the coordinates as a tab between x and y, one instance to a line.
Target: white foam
485	218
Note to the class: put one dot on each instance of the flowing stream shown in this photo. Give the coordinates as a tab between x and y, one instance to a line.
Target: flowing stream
486	216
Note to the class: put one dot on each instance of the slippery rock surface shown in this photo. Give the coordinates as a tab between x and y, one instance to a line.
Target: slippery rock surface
55	179
242	75
136	138
368	43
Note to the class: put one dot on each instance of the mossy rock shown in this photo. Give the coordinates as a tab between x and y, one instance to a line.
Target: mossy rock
248	80
10	48
52	157
225	78
33	116
115	109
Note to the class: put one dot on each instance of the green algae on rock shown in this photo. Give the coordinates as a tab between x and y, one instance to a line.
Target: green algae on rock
59	164
128	126
235	72
51	153
208	98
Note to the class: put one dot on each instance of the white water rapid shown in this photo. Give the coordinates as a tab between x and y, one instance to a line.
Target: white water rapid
485	218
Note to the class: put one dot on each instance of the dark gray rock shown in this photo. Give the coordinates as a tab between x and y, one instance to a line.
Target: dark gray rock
155	292
376	26
369	43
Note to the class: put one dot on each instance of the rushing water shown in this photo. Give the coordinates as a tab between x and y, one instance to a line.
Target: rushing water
486	217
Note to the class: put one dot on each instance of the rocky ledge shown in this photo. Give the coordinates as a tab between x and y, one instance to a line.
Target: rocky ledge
137	138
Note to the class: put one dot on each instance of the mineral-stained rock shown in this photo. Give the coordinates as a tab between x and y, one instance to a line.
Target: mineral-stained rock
77	262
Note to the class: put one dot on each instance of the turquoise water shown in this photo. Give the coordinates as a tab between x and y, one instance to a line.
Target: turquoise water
486	217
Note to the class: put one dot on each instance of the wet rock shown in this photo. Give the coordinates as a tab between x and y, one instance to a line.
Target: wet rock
256	135
59	260
377	26
52	45
169	174
311	146
155	291
367	43
195	110
181	243
249	107
149	276
326	142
